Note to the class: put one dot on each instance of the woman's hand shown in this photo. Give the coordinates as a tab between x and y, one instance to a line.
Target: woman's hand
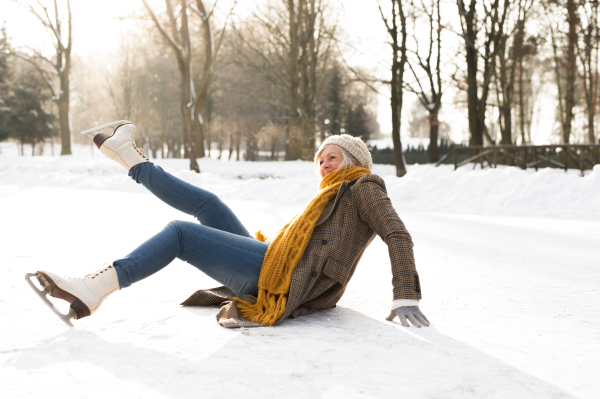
412	313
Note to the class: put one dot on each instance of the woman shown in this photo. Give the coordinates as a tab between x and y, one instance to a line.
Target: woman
304	269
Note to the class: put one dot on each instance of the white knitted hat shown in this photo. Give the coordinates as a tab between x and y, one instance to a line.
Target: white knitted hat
354	145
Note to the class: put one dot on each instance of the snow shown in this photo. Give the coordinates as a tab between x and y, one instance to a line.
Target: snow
507	260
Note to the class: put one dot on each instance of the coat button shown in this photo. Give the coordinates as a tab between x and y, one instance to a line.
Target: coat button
314	274
324	242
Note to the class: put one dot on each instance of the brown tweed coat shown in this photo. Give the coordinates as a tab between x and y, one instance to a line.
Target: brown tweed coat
346	227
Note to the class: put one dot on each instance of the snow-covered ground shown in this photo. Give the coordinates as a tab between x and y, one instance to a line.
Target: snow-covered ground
508	262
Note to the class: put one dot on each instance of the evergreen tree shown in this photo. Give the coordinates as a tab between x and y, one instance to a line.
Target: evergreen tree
334	103
26	120
357	122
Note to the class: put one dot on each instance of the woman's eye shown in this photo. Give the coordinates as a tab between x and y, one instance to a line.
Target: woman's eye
320	162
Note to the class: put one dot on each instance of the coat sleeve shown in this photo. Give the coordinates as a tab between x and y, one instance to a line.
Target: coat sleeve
375	208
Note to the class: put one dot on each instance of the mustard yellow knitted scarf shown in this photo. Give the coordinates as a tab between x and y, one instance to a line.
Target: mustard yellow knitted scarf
287	248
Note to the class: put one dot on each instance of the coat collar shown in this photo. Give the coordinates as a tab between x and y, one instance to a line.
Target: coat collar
332	204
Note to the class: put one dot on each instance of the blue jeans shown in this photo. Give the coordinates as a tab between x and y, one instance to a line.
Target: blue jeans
220	246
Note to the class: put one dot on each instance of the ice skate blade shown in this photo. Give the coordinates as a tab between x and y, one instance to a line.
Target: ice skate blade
113	125
43	295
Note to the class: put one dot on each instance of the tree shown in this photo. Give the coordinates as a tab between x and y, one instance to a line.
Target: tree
346	105
511	54
429	88
180	40
272	138
564	46
291	48
27	121
334	103
479	77
399	58
588	55
60	66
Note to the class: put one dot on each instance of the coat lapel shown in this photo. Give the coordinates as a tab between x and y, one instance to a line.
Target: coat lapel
331	206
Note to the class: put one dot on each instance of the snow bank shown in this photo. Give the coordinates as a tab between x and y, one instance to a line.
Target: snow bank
506	191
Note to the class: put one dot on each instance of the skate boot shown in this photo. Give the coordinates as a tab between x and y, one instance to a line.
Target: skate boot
84	294
120	145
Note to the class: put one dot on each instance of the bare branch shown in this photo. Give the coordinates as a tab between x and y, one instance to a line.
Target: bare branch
42	71
176	46
360	78
206	76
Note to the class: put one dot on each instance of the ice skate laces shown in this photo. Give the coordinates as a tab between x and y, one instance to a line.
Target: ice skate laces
97	272
140	151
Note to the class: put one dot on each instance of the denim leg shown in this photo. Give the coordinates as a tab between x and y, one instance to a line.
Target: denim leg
202	204
231	259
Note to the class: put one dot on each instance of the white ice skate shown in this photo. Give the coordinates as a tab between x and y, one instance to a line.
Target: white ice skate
119	145
84	294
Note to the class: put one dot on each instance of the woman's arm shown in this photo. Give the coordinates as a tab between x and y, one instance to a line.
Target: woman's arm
375	209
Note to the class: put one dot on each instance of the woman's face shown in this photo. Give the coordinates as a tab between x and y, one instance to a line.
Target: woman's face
330	159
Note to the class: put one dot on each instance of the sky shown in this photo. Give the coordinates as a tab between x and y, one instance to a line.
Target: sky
97	29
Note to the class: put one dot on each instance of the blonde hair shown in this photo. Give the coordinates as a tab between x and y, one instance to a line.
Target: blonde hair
348	160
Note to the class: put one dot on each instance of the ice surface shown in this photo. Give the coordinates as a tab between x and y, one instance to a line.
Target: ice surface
511	289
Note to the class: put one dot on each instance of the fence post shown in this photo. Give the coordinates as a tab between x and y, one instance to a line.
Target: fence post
495	158
566	157
456	159
481	152
524	159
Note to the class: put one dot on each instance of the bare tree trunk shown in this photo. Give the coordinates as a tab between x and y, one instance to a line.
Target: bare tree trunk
61	66
493	23
521	103
203	92
180	41
64	98
310	85
508	66
591	36
238	144
431	99
293	150
434	127
65	128
557	74
398	155
191	104
506	105
572	20
397	69
292	56
210	56
475	124
187	89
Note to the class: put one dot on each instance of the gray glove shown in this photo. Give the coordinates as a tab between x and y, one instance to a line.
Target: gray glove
413	313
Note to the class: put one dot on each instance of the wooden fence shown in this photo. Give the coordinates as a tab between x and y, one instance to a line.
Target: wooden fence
564	156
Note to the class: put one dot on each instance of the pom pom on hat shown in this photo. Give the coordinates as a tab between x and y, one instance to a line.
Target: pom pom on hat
354	145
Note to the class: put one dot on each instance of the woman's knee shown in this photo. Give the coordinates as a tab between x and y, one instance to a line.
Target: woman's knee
176	226
210	198
178	230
